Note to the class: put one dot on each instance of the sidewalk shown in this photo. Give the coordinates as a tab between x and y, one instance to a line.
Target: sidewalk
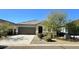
42	47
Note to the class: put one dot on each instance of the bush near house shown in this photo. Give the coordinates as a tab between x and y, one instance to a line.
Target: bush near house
40	35
45	33
48	37
4	28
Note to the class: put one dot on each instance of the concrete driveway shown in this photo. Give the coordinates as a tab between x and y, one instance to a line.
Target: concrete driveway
12	41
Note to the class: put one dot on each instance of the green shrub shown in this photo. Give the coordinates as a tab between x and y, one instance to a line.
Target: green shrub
40	35
47	37
45	34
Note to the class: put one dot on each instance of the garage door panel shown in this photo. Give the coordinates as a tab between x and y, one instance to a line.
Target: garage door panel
26	30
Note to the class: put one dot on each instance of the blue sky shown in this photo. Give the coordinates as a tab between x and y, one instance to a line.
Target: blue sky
20	15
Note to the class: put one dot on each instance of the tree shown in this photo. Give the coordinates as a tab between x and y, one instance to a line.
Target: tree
4	28
72	28
47	25
55	21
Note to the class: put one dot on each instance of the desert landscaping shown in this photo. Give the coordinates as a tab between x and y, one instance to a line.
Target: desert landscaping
56	31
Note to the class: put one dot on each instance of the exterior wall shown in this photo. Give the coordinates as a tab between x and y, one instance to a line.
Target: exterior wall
17	30
37	27
44	30
64	30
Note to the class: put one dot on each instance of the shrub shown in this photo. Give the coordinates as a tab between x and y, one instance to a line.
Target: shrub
45	34
48	38
40	35
5	34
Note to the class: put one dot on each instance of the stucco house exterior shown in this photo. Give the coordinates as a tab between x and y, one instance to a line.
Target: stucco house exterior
31	27
28	27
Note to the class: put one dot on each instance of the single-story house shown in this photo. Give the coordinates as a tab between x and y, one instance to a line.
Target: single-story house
31	27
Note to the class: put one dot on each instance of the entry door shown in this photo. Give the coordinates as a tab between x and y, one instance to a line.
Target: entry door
40	29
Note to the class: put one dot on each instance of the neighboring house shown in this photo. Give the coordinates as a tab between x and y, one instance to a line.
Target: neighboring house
63	29
74	28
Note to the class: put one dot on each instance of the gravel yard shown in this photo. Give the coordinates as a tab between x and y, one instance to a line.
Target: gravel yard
58	42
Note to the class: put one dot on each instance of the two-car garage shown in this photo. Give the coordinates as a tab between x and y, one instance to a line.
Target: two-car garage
28	27
27	30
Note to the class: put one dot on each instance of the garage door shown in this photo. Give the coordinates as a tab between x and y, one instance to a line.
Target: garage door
27	30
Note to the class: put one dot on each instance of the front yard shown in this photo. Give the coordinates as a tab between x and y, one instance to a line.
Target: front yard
57	42
33	42
28	40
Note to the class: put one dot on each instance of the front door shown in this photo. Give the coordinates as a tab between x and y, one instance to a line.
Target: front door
40	29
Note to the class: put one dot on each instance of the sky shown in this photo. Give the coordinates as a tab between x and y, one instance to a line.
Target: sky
21	15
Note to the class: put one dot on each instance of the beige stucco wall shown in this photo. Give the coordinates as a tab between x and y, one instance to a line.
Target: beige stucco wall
40	24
